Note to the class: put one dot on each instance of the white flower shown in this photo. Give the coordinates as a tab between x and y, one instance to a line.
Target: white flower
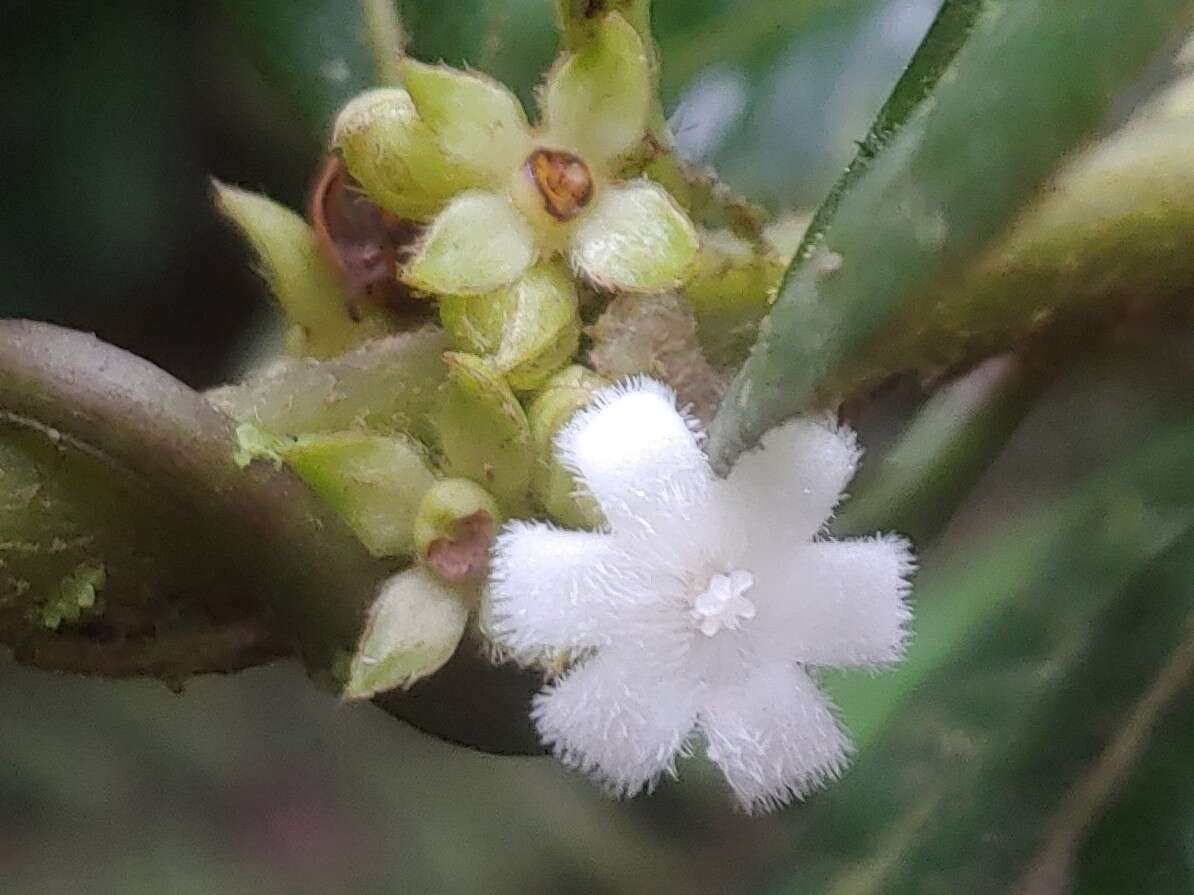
702	606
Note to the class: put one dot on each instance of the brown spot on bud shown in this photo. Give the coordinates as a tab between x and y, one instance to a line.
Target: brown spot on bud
465	555
363	240
563	180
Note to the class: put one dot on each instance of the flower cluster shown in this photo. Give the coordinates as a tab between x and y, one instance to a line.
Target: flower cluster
683	603
455	148
705	605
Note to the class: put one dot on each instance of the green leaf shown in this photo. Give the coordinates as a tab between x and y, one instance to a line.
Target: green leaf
915	487
1127	828
1031	83
1027	673
315	53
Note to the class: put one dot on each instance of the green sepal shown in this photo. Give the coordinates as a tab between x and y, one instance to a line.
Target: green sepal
635	239
483	432
596	99
477	120
396	157
554	487
529	329
478	243
413	628
374	482
305	282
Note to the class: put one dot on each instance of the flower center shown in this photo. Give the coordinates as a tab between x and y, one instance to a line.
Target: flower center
563	180
723	604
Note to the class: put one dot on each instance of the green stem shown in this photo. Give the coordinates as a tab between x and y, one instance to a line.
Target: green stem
277	534
387	39
168	656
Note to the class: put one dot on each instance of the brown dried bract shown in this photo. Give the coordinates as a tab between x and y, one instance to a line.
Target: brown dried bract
365	241
563	180
465	556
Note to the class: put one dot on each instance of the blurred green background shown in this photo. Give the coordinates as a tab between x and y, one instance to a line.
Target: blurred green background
1052	630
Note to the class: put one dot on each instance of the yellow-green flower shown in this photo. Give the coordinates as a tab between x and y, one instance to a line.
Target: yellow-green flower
455	149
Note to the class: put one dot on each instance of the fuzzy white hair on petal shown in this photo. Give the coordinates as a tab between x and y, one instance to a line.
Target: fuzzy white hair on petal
835	603
774	737
614	720
701	605
798	474
547	590
632	445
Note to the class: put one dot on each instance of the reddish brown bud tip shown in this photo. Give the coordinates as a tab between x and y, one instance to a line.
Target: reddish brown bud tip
563	180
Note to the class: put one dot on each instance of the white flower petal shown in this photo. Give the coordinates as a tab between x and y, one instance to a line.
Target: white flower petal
774	737
553	590
635	238
637	455
787	488
477	244
835	602
617	718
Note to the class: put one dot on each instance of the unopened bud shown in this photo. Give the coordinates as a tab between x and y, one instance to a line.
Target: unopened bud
395	156
374	482
454	529
305	282
413	628
483	431
529	329
553	486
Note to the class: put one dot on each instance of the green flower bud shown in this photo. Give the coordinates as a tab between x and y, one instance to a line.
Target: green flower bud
396	157
483	432
656	335
478	243
732	289
303	279
374	482
414	627
454	529
528	329
553	486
